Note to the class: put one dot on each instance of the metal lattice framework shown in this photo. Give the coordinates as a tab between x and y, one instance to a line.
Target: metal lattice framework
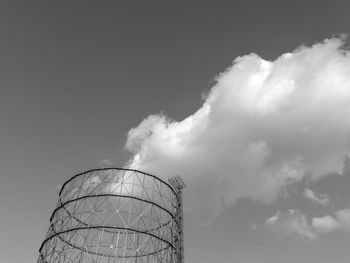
112	215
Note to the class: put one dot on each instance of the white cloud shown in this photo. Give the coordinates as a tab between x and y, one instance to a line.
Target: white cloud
343	218
325	224
316	198
295	223
340	221
263	125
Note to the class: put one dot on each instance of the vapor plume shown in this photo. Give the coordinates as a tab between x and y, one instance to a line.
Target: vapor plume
263	125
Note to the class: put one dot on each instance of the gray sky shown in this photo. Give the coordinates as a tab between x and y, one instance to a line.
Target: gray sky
77	76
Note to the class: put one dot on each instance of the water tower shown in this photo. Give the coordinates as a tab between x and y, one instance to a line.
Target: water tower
115	215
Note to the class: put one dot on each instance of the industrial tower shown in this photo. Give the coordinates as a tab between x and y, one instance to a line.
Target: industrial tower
116	215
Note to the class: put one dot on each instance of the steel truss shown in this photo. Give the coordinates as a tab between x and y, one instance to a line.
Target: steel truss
115	215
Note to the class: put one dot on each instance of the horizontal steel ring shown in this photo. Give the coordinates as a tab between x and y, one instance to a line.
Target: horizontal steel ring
105	227
119	169
104	255
82	222
114	195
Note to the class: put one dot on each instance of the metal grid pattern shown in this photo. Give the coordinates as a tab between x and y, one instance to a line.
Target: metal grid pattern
114	215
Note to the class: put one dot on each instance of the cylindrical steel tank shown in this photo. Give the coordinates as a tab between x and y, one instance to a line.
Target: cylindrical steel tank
112	215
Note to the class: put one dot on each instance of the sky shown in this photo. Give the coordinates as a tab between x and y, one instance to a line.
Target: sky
246	100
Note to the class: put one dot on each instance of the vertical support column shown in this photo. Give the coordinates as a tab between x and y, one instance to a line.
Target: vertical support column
178	184
181	234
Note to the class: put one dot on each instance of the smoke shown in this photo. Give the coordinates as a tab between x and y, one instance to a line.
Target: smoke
264	125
